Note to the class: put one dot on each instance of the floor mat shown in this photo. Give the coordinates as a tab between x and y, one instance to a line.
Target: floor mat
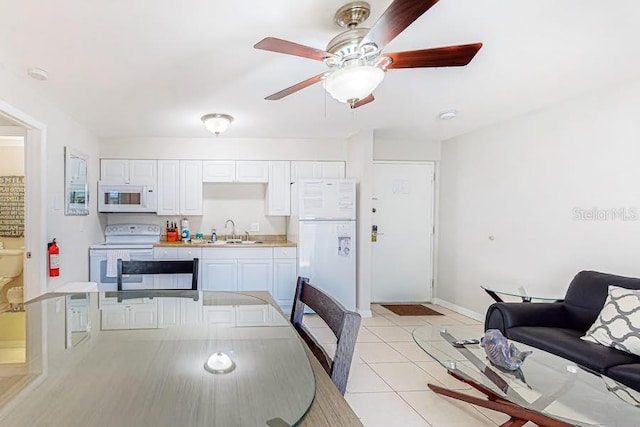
411	310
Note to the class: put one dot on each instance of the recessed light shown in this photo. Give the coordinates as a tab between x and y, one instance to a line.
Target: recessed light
448	115
38	73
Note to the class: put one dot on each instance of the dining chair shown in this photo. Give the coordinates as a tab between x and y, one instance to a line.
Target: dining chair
343	323
159	267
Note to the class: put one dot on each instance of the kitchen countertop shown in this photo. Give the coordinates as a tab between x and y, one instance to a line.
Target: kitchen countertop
261	242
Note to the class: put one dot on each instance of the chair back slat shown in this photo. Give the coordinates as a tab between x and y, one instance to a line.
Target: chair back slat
343	323
159	267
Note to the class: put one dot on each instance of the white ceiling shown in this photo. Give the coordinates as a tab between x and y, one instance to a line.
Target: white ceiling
153	67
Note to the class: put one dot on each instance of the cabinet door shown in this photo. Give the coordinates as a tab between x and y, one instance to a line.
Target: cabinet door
218	171
143	316
164	281
332	170
114	170
168	187
284	282
184	280
252	171
143	171
253	315
305	170
115	317
168	312
279	189
190	311
219	275
255	274
190	187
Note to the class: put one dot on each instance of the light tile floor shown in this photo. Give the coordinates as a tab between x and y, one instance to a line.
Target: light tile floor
389	374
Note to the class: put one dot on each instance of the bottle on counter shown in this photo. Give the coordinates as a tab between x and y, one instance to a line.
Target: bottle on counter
214	235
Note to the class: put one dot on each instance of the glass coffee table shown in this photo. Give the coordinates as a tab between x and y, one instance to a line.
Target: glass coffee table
497	293
547	390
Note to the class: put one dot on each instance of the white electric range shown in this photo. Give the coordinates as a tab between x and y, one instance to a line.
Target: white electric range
137	241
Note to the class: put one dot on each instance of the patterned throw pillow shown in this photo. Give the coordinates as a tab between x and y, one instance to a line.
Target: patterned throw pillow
618	324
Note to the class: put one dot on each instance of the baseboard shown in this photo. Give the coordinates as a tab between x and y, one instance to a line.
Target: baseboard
365	313
461	310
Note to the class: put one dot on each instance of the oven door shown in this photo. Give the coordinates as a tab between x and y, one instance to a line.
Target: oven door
98	271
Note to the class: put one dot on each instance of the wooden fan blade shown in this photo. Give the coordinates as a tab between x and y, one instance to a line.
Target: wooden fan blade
290	48
450	56
296	87
363	101
398	16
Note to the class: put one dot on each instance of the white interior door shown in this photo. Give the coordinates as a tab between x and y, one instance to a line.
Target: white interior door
403	213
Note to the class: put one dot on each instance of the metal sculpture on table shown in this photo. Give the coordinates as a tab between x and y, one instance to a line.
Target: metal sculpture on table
500	352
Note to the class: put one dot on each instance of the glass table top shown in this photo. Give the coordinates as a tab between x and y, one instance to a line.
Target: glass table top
546	383
522	293
138	358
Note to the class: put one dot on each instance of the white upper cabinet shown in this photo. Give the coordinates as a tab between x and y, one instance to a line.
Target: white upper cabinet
179	187
279	189
218	171
123	171
235	171
191	187
316	170
168	187
252	171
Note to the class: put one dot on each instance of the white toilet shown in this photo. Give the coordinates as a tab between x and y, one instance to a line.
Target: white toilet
10	265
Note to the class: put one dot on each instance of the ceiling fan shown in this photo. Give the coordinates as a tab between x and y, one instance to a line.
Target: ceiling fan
357	64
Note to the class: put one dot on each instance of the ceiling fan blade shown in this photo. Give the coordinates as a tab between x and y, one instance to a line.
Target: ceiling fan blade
363	101
296	87
398	16
290	48
450	56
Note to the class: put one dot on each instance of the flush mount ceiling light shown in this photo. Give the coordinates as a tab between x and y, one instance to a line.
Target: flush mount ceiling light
219	363
352	83
448	115
37	73
217	123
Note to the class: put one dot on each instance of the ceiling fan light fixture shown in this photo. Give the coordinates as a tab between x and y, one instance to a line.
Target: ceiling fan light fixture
217	123
353	82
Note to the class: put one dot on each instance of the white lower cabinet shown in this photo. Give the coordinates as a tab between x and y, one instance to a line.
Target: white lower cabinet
130	316
255	274
284	281
178	311
251	269
219	275
175	281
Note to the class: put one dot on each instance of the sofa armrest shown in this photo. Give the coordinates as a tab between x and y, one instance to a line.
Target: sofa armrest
505	315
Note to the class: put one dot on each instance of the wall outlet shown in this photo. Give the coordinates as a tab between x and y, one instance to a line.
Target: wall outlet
255	226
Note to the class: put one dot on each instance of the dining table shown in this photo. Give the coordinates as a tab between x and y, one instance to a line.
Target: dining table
167	358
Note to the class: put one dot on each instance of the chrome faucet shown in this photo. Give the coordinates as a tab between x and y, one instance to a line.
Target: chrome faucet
233	229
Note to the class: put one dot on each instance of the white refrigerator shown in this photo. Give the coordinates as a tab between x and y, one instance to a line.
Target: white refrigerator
325	230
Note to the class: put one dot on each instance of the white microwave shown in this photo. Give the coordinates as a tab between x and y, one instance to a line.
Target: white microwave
127	197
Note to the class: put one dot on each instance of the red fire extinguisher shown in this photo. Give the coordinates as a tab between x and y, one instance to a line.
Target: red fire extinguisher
54	259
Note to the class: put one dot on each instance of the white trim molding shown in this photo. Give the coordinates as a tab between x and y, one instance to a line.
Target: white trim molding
461	310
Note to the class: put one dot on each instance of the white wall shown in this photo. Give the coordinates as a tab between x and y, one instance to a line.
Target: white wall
242	203
360	168
11	160
223	148
521	181
401	146
74	234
